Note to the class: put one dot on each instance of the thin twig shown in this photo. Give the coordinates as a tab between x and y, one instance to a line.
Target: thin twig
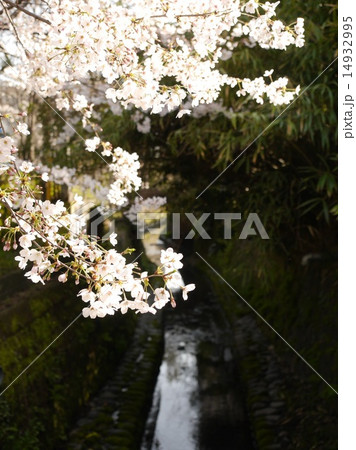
12	24
26	11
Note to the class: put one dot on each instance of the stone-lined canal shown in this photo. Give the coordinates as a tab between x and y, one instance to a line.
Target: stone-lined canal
192	402
197	402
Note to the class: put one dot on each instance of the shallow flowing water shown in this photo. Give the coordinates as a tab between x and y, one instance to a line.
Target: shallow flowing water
197	401
175	410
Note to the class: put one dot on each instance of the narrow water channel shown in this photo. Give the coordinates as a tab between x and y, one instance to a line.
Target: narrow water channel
197	402
173	421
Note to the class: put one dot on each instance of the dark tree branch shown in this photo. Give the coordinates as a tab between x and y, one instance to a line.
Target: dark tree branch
26	11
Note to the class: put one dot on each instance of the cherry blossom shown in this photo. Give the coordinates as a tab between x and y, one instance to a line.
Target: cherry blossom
25	240
186	289
45	176
182	112
144	205
171	260
92	144
129	49
162	297
23	128
26	167
63	277
7	150
112	239
44	231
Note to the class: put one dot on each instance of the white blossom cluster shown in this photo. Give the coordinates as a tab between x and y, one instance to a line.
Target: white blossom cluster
59	175
211	109
136	45
269	33
276	91
111	297
125	168
68	176
144	205
52	240
7	152
142	121
153	55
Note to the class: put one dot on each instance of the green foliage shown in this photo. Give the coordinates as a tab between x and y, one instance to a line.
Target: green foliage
7	262
10	438
297	145
300	303
283	159
61	381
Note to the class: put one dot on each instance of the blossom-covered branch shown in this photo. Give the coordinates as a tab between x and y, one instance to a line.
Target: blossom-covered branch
154	56
53	240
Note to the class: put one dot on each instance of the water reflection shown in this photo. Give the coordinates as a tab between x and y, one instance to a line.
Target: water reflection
176	396
196	404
